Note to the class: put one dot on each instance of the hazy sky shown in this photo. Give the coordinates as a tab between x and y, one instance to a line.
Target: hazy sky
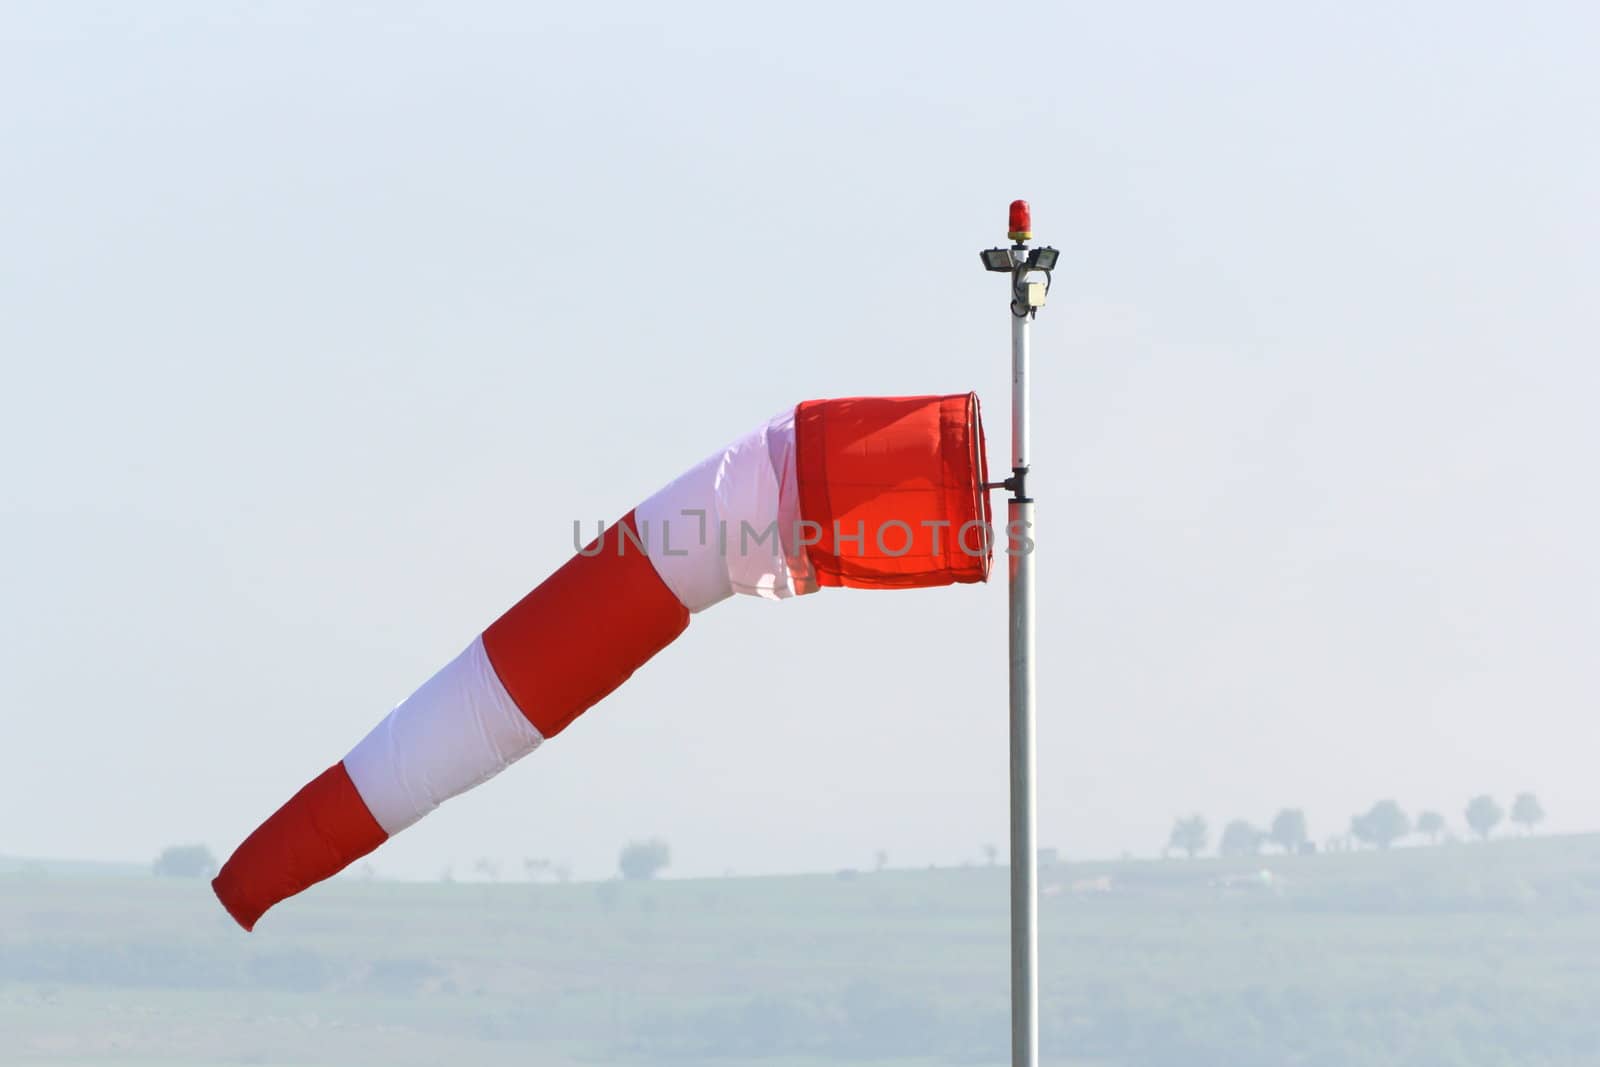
319	329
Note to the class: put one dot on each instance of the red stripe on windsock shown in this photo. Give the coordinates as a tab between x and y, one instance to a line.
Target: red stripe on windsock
321	830
584	630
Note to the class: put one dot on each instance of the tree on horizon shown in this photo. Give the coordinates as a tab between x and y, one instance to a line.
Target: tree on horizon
1381	826
1289	830
185	861
642	860
1483	815
1188	835
1431	825
1526	811
1239	838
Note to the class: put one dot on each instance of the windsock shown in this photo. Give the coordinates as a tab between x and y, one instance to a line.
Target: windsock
870	493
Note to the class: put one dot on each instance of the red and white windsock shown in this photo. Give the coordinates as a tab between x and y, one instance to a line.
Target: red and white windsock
873	493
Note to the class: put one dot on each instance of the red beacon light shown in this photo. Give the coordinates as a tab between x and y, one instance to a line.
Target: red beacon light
1021	221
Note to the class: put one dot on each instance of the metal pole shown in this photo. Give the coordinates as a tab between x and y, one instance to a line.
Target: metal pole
1024	851
1019	263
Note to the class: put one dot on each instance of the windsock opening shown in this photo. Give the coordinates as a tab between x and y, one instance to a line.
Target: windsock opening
895	486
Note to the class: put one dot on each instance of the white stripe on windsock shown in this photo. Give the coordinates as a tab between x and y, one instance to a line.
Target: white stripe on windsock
718	529
461	728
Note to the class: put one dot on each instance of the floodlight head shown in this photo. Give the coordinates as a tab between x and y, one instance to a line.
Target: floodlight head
1021	227
1043	259
998	259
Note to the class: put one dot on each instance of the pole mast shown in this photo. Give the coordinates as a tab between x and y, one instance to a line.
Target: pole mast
1026	297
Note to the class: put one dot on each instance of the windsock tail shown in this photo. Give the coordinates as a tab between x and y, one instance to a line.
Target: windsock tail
323	829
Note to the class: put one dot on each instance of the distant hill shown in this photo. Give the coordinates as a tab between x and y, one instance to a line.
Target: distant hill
1465	955
71	868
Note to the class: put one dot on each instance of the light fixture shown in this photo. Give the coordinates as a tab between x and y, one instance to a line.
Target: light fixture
1043	259
998	259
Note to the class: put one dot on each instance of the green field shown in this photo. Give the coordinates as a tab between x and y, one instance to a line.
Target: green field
1462	954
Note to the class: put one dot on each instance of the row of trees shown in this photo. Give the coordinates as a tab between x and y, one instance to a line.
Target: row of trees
1380	827
1288	832
535	868
638	860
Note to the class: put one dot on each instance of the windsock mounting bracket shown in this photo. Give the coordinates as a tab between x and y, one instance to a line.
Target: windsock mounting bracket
1016	485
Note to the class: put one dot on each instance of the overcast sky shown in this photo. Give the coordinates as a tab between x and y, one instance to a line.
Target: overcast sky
319	329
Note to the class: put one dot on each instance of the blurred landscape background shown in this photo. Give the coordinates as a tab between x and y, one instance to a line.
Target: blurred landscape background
1460	954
